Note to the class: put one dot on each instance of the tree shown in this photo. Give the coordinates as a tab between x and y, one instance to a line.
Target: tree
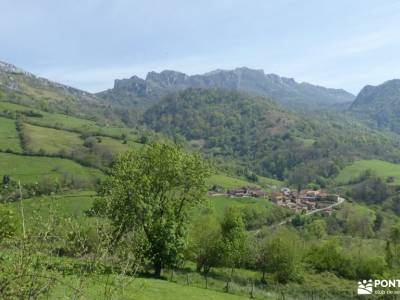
206	242
152	192
281	255
329	256
393	247
233	239
316	228
233	236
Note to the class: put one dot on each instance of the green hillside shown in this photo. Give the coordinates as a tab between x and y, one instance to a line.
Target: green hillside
69	205
30	169
382	169
258	134
62	121
51	141
227	182
119	146
9	138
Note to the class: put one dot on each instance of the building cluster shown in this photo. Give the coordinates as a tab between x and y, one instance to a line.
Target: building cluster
247	192
304	201
240	192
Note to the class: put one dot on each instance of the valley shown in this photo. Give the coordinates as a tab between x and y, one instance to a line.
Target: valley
71	161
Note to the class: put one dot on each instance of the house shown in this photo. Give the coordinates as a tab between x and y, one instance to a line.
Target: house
247	192
277	197
258	193
239	192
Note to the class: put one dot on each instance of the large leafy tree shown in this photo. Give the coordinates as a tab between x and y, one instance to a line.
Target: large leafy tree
206	247
151	192
234	239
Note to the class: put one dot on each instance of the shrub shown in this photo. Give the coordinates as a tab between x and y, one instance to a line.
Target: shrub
7	223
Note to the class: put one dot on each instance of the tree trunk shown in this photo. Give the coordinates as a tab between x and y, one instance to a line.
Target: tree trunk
157	269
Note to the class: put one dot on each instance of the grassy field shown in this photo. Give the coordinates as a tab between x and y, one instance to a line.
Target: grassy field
268	182
9	136
64	121
11	107
51	140
68	122
221	203
141	289
227	182
73	204
381	168
15	166
117	146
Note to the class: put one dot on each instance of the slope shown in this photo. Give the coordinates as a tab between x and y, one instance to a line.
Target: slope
262	136
379	106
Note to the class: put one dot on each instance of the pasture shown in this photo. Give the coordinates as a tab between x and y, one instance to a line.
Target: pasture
15	166
9	138
382	169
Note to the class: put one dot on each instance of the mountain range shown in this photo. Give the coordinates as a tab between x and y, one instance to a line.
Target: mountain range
376	106
286	91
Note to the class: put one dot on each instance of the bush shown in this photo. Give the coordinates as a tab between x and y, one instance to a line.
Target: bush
7	223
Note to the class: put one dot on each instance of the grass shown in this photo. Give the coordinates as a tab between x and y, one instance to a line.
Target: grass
50	140
9	138
8	106
382	168
221	203
16	166
117	146
67	122
73	204
268	182
64	121
140	289
227	182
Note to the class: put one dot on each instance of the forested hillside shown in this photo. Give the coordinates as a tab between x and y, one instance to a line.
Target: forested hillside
379	106
263	136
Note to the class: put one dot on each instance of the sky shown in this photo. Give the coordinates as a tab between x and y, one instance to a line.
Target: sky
89	43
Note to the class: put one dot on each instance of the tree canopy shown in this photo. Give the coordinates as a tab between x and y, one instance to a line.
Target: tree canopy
151	193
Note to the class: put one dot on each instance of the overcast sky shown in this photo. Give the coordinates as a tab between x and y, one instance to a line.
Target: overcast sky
88	43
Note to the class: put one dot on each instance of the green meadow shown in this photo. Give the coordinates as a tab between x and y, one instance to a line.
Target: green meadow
227	182
140	289
51	140
382	169
221	203
9	138
62	121
15	166
117	146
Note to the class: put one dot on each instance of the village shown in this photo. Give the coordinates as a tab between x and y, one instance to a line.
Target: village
303	201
